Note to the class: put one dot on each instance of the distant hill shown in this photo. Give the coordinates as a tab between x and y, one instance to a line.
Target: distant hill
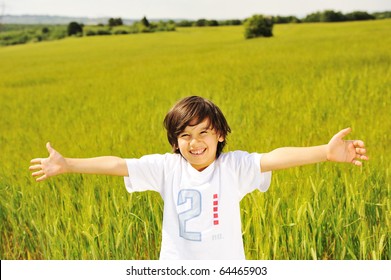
45	19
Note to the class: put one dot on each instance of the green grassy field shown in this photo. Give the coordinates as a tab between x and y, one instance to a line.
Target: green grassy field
108	96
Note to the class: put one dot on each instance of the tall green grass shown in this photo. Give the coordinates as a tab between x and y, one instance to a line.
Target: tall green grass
108	96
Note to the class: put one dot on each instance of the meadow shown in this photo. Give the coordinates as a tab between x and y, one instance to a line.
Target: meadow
108	96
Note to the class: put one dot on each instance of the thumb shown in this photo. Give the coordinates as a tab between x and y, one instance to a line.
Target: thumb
343	133
49	148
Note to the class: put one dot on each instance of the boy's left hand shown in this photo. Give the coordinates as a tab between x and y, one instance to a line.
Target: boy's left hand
339	150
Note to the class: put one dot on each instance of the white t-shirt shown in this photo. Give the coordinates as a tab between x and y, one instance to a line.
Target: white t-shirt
201	218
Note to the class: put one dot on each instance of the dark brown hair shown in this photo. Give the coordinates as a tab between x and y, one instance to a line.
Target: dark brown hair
194	110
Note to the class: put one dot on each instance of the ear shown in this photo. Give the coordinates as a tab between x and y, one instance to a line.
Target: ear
175	147
221	139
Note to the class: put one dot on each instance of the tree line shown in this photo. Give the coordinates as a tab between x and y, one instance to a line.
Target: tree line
333	16
324	16
14	34
116	26
20	34
261	26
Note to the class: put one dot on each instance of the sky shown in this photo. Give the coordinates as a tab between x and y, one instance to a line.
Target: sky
189	9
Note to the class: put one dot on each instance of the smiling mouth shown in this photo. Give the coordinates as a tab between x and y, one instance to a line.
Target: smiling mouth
197	152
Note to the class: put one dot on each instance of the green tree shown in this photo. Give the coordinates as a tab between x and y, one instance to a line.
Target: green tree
258	26
185	23
201	22
145	22
230	22
286	19
313	17
382	15
74	28
332	16
45	30
212	22
115	22
358	15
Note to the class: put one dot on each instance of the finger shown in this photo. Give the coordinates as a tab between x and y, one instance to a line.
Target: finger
357	163
44	177
358	143
49	148
36	160
35	167
361	151
343	133
364	157
38	173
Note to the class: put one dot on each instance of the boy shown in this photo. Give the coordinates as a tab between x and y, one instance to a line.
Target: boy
201	186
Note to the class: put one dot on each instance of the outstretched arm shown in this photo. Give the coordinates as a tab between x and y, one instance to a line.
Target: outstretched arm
56	164
337	150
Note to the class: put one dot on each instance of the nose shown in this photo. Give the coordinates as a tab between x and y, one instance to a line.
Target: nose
193	141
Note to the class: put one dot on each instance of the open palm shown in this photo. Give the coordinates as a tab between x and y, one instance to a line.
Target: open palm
47	167
339	150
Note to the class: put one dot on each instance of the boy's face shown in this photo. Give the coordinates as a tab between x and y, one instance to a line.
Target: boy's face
198	144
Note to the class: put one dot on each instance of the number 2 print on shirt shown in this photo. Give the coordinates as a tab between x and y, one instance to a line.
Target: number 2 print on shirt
194	199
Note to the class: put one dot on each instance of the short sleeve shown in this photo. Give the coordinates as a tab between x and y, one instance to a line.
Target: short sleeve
145	173
247	167
265	177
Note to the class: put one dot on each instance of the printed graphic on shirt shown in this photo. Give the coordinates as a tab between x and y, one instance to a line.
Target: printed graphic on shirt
190	210
215	209
194	211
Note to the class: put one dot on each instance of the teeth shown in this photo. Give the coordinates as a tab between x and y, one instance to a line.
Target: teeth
197	152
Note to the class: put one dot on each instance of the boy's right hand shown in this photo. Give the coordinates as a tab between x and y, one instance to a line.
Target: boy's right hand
53	165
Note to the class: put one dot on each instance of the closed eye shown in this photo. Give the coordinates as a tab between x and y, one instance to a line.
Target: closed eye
184	135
